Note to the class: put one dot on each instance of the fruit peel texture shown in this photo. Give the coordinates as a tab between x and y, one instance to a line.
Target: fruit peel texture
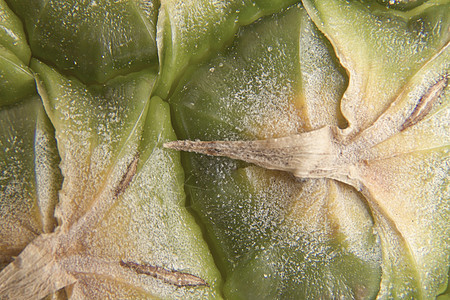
296	235
93	204
418	93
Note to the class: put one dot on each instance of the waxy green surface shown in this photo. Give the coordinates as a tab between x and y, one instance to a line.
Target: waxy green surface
296	239
403	184
89	92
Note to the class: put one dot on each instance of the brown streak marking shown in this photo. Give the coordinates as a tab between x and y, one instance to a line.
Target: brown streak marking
127	177
426	103
176	278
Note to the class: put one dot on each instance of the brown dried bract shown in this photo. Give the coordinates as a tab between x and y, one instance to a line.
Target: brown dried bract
328	152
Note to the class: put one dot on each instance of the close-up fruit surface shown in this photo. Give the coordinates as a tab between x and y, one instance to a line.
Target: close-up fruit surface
314	138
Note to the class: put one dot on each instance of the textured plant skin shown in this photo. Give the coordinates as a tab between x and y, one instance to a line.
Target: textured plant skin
326	129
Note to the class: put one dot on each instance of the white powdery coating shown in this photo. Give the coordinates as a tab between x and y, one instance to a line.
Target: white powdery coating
322	83
351	214
254	88
290	231
412	190
268	84
268	109
152	227
47	177
430	133
259	100
187	22
20	220
108	23
87	144
190	17
322	212
399	50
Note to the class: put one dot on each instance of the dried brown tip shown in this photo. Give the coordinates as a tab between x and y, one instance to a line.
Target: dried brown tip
426	103
127	177
179	279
